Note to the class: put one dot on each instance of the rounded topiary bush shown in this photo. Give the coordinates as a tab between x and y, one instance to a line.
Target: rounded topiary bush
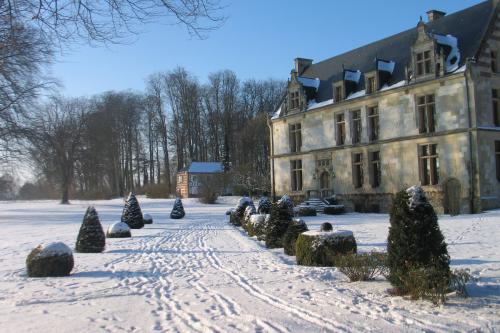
321	248
334	210
264	206
178	210
286	202
238	215
148	219
294	230
256	226
280	219
415	242
132	214
307	211
326	226
54	259
118	230
91	237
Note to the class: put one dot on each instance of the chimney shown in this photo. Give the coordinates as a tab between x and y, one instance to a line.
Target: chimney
301	64
434	15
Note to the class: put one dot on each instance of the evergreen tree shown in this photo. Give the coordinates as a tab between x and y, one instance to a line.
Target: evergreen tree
264	206
132	214
278	224
415	240
177	210
91	238
292	233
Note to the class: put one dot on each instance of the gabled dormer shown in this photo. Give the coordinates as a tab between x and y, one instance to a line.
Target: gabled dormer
380	76
300	91
349	84
423	56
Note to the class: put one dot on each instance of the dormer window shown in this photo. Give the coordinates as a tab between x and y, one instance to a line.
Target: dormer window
424	63
294	99
338	93
370	85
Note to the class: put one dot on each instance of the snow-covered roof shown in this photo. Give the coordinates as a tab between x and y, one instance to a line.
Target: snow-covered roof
309	82
352	75
386	66
205	167
453	58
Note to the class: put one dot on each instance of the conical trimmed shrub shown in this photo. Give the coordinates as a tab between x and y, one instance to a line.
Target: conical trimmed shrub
91	238
132	214
286	202
278	224
295	228
264	206
415	240
177	210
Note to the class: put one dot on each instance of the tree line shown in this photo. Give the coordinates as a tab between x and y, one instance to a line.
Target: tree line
116	142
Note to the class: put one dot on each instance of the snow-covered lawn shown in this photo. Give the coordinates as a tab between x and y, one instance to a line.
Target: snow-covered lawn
199	274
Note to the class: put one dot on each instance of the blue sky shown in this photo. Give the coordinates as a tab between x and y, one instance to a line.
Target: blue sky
259	40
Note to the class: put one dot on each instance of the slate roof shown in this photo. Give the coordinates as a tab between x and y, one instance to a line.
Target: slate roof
204	167
468	25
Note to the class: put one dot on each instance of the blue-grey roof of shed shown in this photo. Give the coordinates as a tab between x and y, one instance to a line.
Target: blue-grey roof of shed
204	167
468	26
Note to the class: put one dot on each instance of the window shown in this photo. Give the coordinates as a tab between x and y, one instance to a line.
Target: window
295	138
373	123
338	93
428	164
424	64
356	126
357	169
496	107
340	129
497	158
375	172
425	107
294	100
296	176
370	85
494	57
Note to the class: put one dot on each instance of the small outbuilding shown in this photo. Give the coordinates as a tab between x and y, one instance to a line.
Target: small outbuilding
189	178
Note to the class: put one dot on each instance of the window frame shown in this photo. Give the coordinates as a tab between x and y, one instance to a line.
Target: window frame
373	123
338	93
426	113
495	104
375	169
428	161
357	169
423	63
296	179
295	137
371	84
340	129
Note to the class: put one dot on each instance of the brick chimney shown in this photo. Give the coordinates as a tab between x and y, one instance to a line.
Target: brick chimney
434	15
301	64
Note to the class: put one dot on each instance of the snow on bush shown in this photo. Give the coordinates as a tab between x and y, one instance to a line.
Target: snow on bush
295	228
281	217
321	248
257	225
91	237
264	206
307	211
148	219
249	211
118	230
53	259
132	214
237	216
178	210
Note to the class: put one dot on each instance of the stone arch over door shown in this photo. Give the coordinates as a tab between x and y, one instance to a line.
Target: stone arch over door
452	190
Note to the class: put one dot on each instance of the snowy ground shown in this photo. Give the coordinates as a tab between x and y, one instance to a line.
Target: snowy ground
200	274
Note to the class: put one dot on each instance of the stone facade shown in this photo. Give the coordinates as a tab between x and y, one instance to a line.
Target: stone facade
463	132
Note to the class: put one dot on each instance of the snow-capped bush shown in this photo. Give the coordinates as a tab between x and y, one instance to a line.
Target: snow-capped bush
278	224
286	202
321	248
326	226
257	225
237	216
118	230
148	219
178	210
264	206
91	237
249	211
416	248
334	210
54	259
295	228
132	214
307	211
